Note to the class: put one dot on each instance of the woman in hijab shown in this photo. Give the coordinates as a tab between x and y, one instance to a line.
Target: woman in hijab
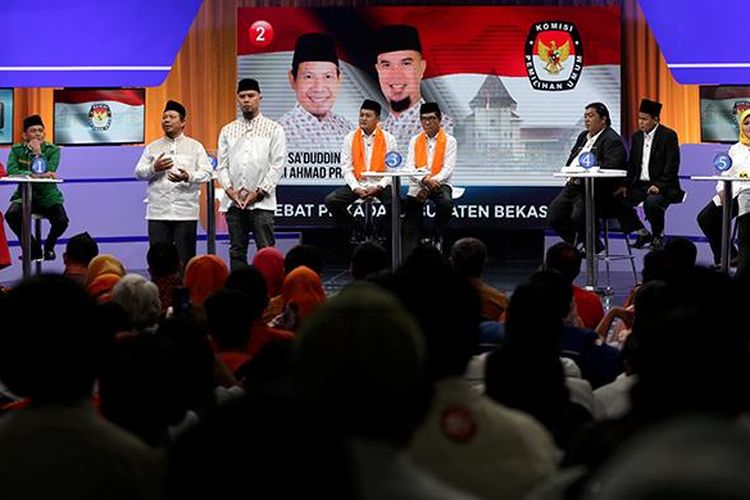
204	275
301	294
270	262
709	219
104	264
103	273
740	155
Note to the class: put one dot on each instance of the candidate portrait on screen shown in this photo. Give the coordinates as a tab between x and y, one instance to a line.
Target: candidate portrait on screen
400	68
315	78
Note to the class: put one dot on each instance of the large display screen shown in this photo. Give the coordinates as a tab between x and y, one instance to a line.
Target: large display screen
99	116
6	116
512	83
720	108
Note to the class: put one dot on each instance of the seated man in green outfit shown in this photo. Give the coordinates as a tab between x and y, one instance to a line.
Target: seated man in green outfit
47	200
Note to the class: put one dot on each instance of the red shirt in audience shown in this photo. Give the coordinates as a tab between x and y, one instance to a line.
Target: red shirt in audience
589	307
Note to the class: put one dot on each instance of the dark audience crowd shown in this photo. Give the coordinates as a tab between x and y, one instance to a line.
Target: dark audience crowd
419	383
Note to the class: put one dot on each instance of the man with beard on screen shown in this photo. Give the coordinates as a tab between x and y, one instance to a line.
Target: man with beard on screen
400	70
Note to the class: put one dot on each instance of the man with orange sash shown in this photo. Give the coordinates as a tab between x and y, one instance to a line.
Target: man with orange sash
434	152
363	151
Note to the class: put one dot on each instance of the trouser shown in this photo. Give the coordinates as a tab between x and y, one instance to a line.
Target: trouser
338	201
709	220
566	214
180	232
413	209
654	206
240	223
55	214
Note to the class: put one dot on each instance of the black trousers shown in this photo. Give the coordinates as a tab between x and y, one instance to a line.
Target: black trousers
338	201
240	223
566	214
55	214
654	206
414	209
180	232
709	220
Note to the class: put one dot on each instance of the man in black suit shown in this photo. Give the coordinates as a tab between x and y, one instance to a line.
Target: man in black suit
566	213
652	171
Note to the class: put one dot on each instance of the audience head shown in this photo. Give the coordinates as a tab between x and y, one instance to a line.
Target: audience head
104	264
270	262
251	282
360	357
682	365
560	291
196	357
50	341
683	253
139	298
446	307
229	319
368	260
100	288
657	265
265	436
685	459
204	275
303	255
80	249
303	291
468	257
163	260
565	259
140	386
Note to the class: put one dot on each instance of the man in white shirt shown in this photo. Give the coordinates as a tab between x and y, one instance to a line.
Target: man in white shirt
252	150
434	152
175	166
363	151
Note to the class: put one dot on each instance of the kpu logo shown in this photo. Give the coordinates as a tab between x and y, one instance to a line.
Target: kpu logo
554	55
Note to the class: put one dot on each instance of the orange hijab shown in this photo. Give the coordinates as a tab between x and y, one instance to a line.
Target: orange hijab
420	152
204	275
270	262
104	264
101	287
377	161
302	288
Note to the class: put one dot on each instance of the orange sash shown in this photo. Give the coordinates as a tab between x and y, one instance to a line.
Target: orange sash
377	162
420	152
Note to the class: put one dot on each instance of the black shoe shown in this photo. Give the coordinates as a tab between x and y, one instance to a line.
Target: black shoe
642	240
50	255
36	254
657	243
599	246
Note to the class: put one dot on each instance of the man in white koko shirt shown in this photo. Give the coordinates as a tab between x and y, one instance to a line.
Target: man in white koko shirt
174	166
252	151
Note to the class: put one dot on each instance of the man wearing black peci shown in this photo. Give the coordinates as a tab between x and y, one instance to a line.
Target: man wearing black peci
566	214
652	171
